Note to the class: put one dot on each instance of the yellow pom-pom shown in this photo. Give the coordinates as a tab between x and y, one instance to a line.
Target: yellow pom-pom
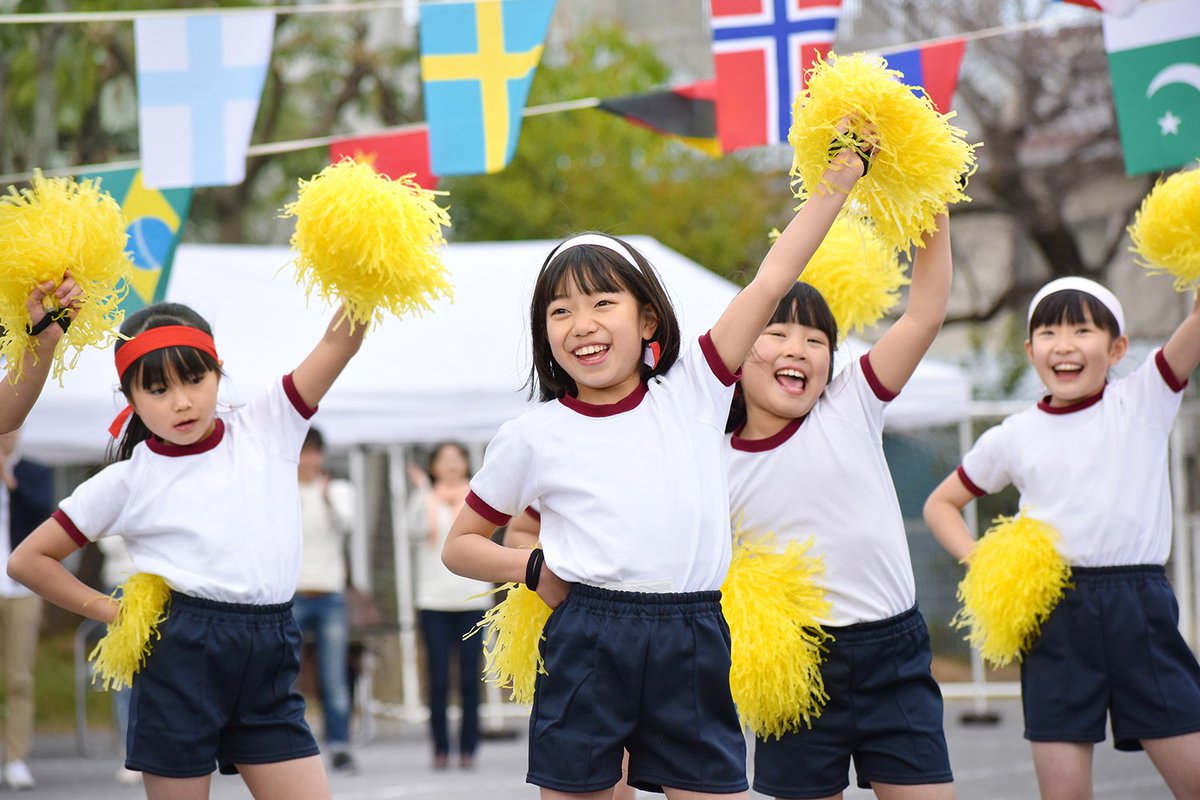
369	241
1015	578
123	650
1166	230
774	605
856	272
53	226
512	651
918	155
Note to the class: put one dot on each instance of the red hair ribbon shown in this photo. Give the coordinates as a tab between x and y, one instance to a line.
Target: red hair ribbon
147	342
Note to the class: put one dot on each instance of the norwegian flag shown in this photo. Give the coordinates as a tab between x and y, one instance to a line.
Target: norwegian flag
761	52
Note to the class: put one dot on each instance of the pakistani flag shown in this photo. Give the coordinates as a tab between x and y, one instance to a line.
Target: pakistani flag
1154	57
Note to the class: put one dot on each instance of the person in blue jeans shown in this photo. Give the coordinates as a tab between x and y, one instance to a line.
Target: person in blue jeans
326	513
448	603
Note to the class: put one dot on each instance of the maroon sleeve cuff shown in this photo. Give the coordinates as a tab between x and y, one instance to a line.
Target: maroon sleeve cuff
967	482
487	512
1167	373
289	388
533	512
715	363
72	530
882	392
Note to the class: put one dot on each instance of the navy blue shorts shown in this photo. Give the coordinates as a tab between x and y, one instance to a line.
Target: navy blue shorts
218	689
1112	648
642	671
884	711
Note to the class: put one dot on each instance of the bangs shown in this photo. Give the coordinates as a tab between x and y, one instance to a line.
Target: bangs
184	363
1073	307
804	305
591	271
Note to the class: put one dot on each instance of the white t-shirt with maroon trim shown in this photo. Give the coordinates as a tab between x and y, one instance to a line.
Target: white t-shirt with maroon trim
219	519
825	476
1096	471
631	494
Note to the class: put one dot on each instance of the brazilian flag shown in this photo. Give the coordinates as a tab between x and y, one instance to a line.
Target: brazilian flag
154	220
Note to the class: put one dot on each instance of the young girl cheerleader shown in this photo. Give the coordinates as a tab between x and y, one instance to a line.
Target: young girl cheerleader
18	394
1090	460
806	460
209	503
624	459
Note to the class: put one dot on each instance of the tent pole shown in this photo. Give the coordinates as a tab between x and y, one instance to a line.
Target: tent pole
412	709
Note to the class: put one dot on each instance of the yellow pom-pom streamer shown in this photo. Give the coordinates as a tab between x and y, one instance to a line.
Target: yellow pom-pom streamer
512	643
53	226
918	155
123	650
774	603
856	272
1166	230
1016	577
369	241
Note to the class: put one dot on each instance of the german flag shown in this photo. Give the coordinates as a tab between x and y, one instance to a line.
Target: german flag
687	113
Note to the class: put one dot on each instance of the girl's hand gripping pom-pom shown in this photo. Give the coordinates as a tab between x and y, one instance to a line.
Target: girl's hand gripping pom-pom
1015	578
1166	230
62	256
915	155
371	242
512	652
774	606
124	648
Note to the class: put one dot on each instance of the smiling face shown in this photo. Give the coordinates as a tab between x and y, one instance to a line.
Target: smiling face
598	339
450	464
784	376
180	411
1073	358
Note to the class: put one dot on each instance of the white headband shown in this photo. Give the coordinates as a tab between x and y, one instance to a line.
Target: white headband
1090	287
596	239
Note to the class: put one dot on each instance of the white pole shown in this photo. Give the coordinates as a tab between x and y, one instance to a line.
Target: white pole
360	575
971	517
412	710
1181	535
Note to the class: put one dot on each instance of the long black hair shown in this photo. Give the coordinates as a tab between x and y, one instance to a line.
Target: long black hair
595	269
802	305
156	367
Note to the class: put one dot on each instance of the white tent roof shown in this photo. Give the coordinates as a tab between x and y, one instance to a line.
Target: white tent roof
456	373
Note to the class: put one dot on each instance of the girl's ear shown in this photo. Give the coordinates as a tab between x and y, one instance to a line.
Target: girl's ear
1029	350
649	322
1118	349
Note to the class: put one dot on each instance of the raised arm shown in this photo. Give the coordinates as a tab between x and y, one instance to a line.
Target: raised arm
37	563
943	515
748	313
18	397
321	367
1182	350
896	355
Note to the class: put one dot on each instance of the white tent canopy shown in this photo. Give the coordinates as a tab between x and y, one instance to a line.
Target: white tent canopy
454	373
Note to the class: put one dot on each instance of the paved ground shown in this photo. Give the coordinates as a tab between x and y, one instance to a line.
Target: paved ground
990	763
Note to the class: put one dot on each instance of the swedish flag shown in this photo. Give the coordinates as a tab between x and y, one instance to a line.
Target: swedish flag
154	221
477	63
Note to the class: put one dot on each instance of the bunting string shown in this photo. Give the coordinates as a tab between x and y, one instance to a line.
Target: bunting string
275	148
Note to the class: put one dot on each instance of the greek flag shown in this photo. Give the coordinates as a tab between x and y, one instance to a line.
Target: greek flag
199	80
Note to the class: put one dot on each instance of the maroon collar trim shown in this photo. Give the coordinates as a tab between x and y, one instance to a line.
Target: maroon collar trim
161	448
626	403
1088	402
769	443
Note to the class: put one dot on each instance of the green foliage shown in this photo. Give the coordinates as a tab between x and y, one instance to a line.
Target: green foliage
590	170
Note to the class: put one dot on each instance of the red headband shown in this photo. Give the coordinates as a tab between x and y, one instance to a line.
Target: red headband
160	338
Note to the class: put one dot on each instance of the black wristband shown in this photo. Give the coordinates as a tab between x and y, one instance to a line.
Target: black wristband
533	568
837	145
45	322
